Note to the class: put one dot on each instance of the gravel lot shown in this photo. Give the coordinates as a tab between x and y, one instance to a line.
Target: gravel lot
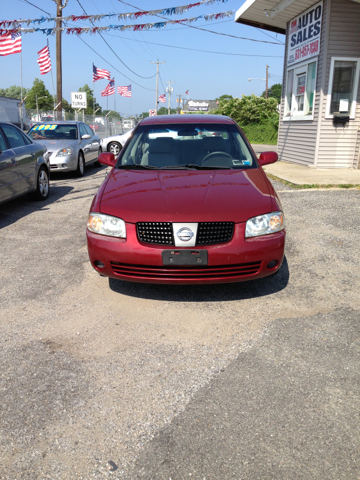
93	371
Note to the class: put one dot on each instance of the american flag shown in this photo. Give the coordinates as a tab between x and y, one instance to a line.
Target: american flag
125	91
44	60
162	98
109	90
187	92
99	73
10	43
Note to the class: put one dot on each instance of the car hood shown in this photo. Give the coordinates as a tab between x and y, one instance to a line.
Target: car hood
53	145
188	196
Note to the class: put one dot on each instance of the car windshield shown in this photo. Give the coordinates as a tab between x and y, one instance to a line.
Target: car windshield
182	146
53	131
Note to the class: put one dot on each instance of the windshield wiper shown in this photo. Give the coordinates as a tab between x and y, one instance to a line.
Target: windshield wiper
137	166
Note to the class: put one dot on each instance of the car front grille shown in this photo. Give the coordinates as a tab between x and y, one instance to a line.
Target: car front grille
186	272
161	233
157	233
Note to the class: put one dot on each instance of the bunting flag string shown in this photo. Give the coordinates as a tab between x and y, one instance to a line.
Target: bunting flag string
121	16
140	27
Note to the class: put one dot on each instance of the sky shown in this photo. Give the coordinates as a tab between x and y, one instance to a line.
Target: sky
206	64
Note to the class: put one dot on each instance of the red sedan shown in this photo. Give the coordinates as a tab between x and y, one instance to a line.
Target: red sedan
186	202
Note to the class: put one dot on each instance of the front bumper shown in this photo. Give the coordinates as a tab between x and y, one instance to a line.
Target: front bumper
64	163
238	260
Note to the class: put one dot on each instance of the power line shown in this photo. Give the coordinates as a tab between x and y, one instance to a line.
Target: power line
27	1
198	50
132	71
98	54
204	29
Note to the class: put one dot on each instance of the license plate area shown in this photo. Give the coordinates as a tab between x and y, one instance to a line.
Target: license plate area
190	258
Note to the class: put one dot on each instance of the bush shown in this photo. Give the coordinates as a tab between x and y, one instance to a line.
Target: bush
248	109
257	116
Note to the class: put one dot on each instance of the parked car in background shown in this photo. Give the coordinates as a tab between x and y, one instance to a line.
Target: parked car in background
115	143
24	165
71	145
186	208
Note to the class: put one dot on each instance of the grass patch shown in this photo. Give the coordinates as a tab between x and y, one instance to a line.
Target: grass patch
310	186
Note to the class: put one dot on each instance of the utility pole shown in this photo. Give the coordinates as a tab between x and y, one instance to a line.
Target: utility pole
58	59
157	83
267	80
169	90
179	101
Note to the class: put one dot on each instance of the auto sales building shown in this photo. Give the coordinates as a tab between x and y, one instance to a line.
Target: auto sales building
320	111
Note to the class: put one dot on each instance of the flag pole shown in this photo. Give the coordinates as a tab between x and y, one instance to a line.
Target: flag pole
93	99
21	89
52	79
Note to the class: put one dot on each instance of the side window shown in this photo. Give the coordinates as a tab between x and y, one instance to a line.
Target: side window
26	139
88	130
14	136
82	130
3	145
300	91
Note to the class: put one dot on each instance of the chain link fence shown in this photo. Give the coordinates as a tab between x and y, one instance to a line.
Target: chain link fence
103	126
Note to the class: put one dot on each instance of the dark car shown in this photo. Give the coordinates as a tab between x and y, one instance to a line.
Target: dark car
24	166
191	205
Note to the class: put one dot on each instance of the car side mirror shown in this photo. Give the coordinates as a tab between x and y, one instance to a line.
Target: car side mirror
86	137
268	157
107	158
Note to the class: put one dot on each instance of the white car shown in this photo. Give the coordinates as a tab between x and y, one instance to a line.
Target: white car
115	143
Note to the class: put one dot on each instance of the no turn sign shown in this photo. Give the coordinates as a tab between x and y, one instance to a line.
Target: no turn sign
152	113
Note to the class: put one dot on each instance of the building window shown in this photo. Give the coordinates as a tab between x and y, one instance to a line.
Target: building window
343	86
300	92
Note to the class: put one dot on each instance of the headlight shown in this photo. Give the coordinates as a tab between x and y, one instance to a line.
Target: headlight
106	225
265	224
65	151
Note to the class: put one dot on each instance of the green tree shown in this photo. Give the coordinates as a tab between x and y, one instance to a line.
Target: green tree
164	111
91	104
38	89
112	114
274	92
248	109
65	105
225	97
12	92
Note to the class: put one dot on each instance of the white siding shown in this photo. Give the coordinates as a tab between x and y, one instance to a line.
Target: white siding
297	139
338	147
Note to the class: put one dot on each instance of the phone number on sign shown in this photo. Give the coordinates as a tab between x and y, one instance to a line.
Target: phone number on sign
309	49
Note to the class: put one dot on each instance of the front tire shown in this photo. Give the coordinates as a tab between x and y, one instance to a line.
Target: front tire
42	185
114	147
81	166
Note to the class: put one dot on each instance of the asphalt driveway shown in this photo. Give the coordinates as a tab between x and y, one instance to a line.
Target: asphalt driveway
106	379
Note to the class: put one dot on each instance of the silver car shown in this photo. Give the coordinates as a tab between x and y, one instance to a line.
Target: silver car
24	167
115	143
71	145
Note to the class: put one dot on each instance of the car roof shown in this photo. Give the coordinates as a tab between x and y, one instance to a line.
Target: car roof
161	119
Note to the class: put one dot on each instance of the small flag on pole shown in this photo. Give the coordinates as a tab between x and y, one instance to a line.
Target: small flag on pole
187	92
162	98
99	73
125	91
109	90
10	43
44	60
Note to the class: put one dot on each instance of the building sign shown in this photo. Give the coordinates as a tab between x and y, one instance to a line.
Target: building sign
78	100
304	37
197	106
